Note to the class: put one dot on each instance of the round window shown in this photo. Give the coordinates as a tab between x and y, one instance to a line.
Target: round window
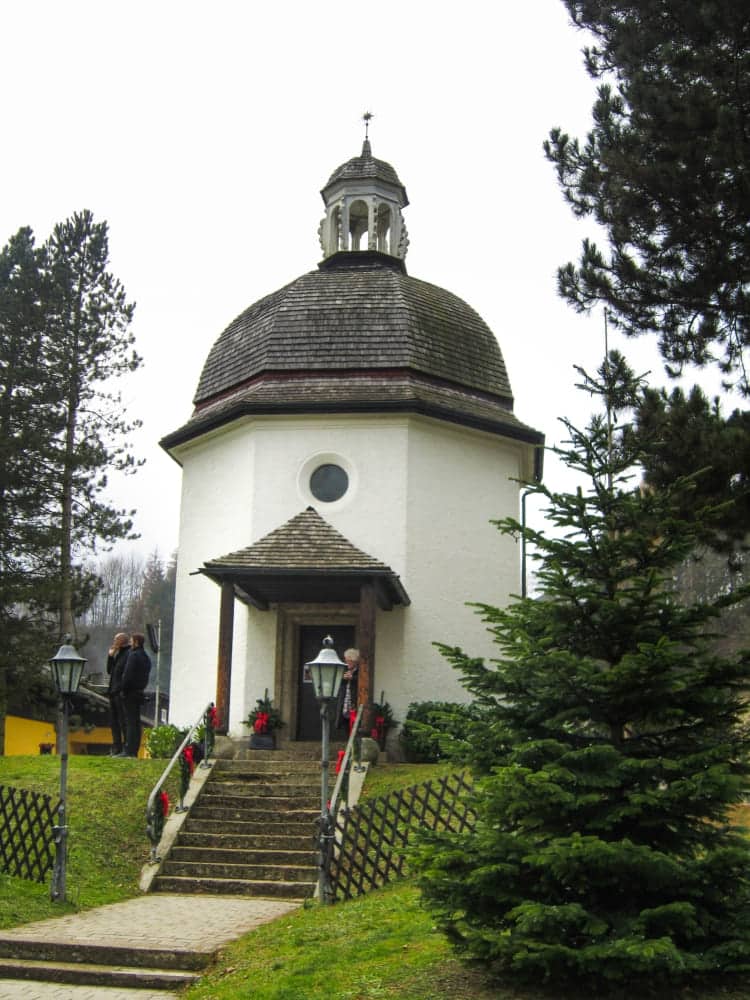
328	483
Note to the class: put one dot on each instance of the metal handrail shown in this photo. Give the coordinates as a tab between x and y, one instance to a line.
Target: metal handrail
346	760
328	809
153	829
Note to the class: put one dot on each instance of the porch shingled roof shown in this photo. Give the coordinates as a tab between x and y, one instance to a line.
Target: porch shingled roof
304	559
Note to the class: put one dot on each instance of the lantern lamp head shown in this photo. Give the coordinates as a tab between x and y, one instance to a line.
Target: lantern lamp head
67	668
326	671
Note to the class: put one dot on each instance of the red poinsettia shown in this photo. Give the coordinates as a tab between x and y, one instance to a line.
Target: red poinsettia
164	799
187	755
261	722
264	718
213	717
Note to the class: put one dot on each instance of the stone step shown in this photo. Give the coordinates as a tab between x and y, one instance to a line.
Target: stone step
247	872
208	854
293	825
83	974
291	767
270	800
272	811
32	948
253	779
235	887
241	840
261	789
296	751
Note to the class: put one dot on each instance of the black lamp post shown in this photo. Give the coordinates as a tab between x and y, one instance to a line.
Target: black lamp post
326	672
67	668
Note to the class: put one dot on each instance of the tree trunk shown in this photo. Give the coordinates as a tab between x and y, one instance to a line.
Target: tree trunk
67	623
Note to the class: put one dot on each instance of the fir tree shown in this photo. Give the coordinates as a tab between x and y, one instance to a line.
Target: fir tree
664	171
610	754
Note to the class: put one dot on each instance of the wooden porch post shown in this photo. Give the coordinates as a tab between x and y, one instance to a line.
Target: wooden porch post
366	642
224	662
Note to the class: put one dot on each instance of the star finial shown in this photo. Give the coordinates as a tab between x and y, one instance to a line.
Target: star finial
366	118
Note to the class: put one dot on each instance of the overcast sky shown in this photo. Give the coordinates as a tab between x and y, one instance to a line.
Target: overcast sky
203	133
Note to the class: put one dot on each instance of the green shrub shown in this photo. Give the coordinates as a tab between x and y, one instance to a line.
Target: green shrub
432	726
163	740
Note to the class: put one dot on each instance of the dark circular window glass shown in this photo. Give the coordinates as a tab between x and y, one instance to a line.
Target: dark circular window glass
329	483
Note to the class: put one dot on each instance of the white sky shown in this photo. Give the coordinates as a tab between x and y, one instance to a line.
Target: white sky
203	134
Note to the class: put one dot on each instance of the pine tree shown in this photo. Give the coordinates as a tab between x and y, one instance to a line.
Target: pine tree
27	544
665	172
64	340
89	346
610	753
681	433
28	420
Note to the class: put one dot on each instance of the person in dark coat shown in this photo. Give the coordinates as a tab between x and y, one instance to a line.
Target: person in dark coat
134	681
116	657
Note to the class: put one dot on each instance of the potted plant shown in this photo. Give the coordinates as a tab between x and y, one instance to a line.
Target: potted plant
263	722
382	718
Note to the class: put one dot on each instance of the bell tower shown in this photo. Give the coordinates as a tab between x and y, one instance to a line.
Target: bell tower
363	200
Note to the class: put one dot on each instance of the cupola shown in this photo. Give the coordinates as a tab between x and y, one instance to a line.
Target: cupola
363	200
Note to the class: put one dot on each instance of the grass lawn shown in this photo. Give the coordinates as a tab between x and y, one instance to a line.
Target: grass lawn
380	945
107	831
383	779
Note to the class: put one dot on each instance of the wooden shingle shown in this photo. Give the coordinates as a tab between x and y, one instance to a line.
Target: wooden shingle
358	311
305	559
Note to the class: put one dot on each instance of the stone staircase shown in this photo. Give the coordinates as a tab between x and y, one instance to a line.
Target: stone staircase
101	965
252	830
154	943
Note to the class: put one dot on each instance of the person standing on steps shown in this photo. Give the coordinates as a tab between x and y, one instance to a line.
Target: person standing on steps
348	696
116	657
134	681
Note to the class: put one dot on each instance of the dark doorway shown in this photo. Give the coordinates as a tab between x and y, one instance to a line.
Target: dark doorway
310	643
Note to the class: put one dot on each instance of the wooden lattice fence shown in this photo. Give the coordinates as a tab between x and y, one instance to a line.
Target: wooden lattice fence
27	821
370	838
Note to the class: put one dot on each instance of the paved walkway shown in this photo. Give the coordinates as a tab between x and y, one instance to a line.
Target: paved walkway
151	921
21	989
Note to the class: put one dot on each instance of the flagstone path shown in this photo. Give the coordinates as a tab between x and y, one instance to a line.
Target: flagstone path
155	921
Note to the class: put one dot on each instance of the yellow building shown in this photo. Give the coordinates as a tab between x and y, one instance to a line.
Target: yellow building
31	737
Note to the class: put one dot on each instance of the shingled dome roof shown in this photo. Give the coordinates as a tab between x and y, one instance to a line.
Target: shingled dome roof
365	167
358	334
359	311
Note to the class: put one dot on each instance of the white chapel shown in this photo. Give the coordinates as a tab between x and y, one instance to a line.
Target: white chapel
352	438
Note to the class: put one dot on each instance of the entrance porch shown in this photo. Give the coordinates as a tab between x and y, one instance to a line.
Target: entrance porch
318	582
